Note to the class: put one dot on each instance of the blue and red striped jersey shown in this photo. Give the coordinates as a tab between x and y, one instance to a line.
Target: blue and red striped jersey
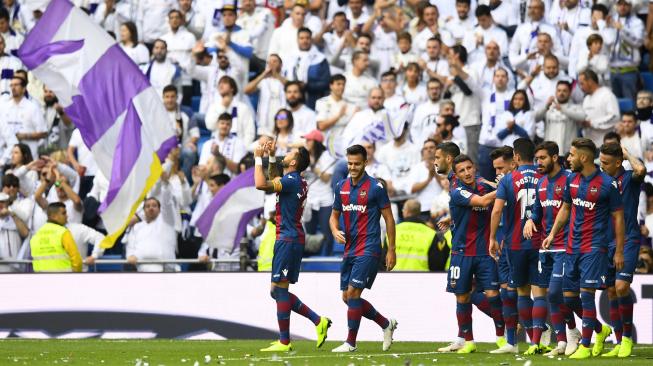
629	187
290	207
550	195
592	201
518	189
361	207
471	225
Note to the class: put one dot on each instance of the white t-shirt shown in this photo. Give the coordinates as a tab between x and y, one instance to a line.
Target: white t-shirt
84	155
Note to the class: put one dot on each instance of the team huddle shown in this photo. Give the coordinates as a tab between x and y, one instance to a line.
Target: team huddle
543	230
540	230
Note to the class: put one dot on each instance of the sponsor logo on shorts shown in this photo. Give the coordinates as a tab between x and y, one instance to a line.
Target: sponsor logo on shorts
356	281
276	275
625	274
494	283
592	281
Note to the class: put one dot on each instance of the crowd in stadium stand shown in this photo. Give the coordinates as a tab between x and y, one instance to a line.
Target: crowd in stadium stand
320	74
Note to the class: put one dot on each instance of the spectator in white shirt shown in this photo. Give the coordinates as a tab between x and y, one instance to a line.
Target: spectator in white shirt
404	55
392	101
542	82
259	23
12	232
485	32
8	66
423	179
561	117
644	104
424	121
431	29
161	71
180	42
366	121
377	169
285	132
447	129
50	176
152	19
357	14
493	105
105	16
270	85
600	106
625	54
333	112
503	15
21	119
597	25
154	237
400	156
630	136
413	90
225	145
594	58
461	23
384	27
193	18
283	42
544	48
484	70
243	117
434	63
129	43
523	46
305	118
333	38
13	39
60	126
188	134
359	84
518	121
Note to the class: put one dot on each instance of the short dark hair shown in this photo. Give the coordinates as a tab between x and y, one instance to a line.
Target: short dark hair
4	14
304	30
133	32
303	159
357	150
468	2
23	81
451	120
159	40
461	51
357	54
629	113
225	117
175	11
229	80
589	74
483	10
504	152
405	36
340	14
602	8
435	38
461	159
550	147
220	179
389	73
10	180
54	207
612	149
564	82
337	77
594	38
611	136
582	143
449	148
170	88
295	83
525	148
151	198
26	152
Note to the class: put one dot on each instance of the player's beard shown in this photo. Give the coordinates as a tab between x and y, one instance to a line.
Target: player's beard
576	168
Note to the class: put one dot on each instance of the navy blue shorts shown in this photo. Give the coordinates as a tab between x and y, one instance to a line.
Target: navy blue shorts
589	270
523	267
552	270
504	267
287	261
465	271
631	255
358	272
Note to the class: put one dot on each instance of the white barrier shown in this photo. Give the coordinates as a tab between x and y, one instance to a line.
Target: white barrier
237	305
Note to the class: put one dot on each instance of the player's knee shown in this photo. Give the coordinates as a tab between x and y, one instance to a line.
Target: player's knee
345	298
273	293
612	292
622	288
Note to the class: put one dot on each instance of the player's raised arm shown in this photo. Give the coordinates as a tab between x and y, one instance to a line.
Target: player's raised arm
639	170
260	182
391	256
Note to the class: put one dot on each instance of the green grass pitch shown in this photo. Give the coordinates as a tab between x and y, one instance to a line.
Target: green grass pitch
240	352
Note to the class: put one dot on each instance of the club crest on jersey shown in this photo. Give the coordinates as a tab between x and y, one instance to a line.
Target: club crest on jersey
593	190
558	189
363	193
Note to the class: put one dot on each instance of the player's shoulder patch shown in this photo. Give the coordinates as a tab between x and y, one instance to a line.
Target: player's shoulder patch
465	193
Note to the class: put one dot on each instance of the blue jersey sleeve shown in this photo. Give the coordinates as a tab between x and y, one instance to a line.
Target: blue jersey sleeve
337	202
382	198
504	187
461	197
614	197
289	184
566	194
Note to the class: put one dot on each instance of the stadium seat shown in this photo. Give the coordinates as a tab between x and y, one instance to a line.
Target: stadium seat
646	59
626	104
188	110
338	248
195	103
321	267
203	138
647	80
107	267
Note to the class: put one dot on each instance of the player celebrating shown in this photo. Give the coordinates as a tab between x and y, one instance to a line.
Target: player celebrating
289	247
590	198
362	200
550	192
516	192
621	304
470	260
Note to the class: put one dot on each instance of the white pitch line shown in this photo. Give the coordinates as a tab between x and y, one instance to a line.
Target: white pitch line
341	355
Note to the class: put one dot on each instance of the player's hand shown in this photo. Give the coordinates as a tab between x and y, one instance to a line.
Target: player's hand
390	259
529	228
618	260
444	223
203	259
90	260
495	251
339	236
546	243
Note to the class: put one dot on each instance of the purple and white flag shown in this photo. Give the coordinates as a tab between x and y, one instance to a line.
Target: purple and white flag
224	221
120	116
